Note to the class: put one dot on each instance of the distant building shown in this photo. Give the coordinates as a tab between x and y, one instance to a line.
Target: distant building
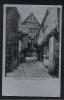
12	17
29	29
48	40
30	26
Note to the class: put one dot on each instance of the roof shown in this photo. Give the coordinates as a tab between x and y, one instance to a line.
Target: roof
31	15
42	24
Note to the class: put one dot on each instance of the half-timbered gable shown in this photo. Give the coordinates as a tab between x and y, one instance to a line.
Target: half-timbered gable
32	25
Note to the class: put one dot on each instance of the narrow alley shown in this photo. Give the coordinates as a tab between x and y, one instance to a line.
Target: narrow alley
31	50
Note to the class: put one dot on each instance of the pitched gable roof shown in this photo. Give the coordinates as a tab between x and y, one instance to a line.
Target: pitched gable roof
31	18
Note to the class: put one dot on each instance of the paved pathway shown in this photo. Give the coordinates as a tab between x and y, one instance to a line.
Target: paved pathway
33	69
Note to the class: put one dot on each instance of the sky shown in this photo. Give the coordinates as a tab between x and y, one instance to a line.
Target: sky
38	10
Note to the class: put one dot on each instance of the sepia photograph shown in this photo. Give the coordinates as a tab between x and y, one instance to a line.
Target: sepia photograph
31	50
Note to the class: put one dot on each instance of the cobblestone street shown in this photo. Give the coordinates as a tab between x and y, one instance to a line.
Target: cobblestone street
30	69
